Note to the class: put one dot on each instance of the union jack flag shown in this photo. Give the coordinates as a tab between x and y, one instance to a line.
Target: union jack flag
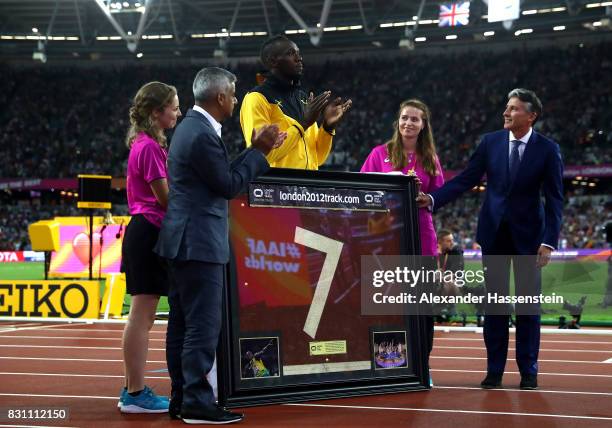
454	14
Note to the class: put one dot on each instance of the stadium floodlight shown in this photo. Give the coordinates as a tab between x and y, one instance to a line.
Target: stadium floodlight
222	51
420	39
406	44
602	24
40	54
503	10
559	28
523	31
489	33
451	37
125	6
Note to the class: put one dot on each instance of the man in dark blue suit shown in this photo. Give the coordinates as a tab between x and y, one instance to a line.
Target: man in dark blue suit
194	239
514	224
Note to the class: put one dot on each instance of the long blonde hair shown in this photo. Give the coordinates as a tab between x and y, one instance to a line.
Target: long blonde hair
425	148
150	97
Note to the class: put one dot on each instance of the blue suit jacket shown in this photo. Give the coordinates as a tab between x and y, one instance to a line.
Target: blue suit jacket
201	181
541	172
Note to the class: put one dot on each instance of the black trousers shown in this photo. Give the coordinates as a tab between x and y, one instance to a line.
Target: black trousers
496	325
193	330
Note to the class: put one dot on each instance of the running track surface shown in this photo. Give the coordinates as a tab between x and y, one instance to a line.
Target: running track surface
79	367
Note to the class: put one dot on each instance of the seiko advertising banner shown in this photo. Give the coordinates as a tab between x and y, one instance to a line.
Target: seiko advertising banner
49	299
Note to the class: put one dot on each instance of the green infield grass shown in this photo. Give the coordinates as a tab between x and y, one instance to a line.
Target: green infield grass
572	280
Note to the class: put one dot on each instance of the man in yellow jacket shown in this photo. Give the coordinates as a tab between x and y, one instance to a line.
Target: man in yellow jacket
280	100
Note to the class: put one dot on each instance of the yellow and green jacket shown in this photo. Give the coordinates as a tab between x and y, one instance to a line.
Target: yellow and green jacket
280	103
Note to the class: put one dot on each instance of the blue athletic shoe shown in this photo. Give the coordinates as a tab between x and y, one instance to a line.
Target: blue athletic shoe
145	402
122	396
431	382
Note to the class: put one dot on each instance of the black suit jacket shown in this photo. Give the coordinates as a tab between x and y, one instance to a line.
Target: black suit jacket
202	180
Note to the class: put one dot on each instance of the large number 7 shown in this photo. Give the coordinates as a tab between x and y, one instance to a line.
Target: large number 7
333	249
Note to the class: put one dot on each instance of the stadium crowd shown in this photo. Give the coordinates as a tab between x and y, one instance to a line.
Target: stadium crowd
584	220
65	121
583	223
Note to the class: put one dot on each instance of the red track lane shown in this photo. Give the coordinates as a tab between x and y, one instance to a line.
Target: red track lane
456	400
81	367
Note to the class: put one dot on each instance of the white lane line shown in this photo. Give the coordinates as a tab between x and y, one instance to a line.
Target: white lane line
163	349
11	326
482	348
61	327
72	347
510	360
93	397
433	370
477	412
539	373
98	397
545	391
75	375
96	360
163	361
33	426
543	330
24	327
514	340
72	337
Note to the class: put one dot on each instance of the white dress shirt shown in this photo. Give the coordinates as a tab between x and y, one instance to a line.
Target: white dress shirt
216	125
524	139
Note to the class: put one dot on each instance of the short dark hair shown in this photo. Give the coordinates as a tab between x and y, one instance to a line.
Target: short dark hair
534	105
443	232
267	48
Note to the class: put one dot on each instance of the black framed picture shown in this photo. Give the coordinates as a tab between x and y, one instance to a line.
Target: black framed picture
259	357
389	350
293	328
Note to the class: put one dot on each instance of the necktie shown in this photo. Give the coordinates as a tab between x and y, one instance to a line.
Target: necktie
515	159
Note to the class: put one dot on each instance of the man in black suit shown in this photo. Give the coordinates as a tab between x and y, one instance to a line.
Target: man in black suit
194	238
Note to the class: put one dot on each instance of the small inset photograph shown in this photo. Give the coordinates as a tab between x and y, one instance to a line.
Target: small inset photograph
259	357
389	350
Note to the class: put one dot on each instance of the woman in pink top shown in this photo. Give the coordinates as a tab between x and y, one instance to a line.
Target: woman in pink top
412	148
155	108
